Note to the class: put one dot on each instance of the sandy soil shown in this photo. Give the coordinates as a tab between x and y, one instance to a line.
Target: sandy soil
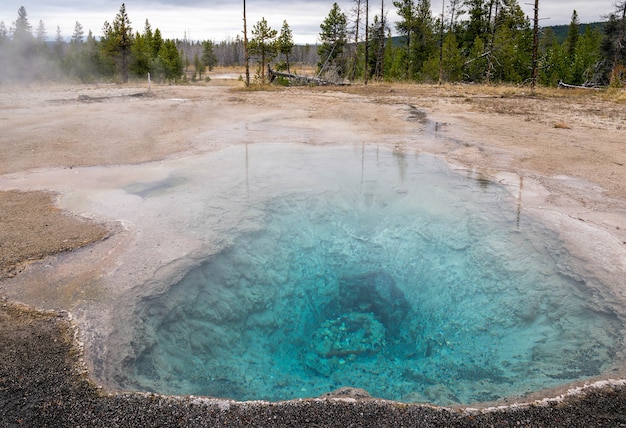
568	148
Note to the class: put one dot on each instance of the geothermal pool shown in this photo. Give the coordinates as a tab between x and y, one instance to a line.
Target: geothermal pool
371	268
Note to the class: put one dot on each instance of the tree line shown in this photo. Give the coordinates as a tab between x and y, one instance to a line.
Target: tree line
471	40
118	54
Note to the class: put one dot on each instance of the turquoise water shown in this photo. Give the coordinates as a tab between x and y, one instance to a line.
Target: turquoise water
379	270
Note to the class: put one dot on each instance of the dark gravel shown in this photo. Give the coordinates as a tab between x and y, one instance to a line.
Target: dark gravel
43	383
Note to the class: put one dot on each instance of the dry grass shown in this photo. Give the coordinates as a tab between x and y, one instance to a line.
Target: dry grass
562	125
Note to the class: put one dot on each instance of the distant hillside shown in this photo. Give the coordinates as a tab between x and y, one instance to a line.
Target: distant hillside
560	31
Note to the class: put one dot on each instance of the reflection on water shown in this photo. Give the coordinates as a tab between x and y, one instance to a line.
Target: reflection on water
154	188
378	270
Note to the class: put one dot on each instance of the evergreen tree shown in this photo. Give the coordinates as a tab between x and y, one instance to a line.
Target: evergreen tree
513	43
474	67
452	62
142	57
613	48
425	43
333	37
156	42
263	45
170	60
284	44
59	43
552	62
477	26
117	42
377	31
572	36
198	65
21	53
82	60
406	26
78	35
209	59
41	34
4	33
587	57
22	30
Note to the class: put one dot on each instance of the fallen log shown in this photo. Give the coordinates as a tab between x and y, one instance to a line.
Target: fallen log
301	80
567	86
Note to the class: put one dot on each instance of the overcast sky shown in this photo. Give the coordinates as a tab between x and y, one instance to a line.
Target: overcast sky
222	19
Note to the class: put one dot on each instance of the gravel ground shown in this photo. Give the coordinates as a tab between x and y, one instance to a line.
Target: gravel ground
43	383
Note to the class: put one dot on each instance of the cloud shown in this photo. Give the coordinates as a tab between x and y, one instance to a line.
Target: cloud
221	19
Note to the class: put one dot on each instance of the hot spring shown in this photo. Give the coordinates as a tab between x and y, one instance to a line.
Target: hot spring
371	268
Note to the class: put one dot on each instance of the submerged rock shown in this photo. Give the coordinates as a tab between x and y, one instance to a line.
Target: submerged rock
349	335
374	292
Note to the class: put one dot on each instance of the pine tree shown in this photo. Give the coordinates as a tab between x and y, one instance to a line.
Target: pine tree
198	66
209	59
117	41
376	30
424	44
263	44
334	38
41	34
156	42
142	58
59	43
406	26
477	26
452	65
170	61
583	67
285	44
79	33
22	30
572	36
4	33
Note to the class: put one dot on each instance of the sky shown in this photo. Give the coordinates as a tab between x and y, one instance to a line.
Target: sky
219	20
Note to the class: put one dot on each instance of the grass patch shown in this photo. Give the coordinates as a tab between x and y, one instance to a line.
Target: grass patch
562	125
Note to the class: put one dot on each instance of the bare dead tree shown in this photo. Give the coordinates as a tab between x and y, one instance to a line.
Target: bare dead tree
535	46
455	11
245	45
358	9
443	8
367	41
492	20
381	52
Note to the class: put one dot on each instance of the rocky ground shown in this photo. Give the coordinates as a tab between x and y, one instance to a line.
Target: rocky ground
546	136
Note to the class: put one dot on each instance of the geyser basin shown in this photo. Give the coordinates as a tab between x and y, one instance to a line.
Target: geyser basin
373	269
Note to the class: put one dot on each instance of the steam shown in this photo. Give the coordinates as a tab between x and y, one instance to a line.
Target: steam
27	63
26	59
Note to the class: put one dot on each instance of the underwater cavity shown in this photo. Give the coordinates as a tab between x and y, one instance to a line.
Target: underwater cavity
379	270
